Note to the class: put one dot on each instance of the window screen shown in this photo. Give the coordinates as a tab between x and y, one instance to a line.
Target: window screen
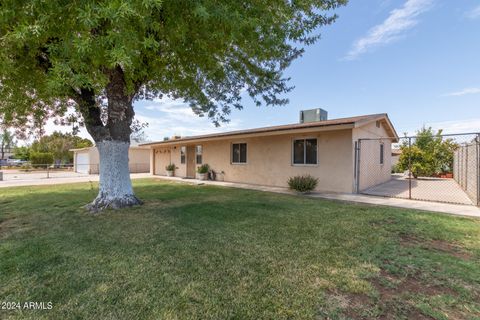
382	149
199	152
239	153
182	154
299	152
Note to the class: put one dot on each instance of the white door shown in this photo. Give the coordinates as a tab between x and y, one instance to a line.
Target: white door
82	164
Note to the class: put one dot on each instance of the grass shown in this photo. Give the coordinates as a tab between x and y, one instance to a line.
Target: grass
204	252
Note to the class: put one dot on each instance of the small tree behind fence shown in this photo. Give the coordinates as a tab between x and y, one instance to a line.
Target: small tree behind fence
430	166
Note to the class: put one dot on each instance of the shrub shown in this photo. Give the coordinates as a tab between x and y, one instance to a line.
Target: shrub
203	168
170	167
41	159
304	183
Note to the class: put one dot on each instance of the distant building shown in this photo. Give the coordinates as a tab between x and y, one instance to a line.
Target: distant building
87	160
7	153
396	156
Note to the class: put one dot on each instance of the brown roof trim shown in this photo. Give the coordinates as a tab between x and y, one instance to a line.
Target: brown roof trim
297	126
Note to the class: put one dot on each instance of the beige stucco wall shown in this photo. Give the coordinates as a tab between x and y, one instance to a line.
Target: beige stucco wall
395	160
165	156
371	171
269	160
139	159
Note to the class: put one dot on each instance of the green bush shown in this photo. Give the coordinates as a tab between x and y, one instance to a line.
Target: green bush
203	168
170	167
41	159
22	153
304	183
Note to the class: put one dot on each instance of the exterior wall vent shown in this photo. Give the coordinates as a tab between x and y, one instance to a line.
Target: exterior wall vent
313	115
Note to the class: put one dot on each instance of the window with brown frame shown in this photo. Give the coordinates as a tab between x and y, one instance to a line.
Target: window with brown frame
239	153
305	151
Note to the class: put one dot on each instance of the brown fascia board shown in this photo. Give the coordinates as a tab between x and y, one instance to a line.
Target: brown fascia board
328	125
242	135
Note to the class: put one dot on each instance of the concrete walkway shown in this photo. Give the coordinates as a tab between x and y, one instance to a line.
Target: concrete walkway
454	209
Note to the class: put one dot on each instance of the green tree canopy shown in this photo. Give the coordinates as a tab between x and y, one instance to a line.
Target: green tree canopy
7	141
54	53
59	144
99	56
22	153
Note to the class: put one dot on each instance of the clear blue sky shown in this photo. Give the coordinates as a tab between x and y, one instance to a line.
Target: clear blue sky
417	60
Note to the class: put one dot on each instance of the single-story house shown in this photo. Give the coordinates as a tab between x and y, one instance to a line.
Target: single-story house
87	160
269	156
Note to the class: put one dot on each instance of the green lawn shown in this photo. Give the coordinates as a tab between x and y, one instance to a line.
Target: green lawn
204	252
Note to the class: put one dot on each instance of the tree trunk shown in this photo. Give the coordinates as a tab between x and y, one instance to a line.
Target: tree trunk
113	141
115	188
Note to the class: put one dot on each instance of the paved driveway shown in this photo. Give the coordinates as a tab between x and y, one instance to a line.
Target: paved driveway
432	189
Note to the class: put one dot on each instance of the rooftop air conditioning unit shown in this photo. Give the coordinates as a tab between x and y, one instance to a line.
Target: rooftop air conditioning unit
313	115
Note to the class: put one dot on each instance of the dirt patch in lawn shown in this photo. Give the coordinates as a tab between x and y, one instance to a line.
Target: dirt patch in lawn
5	226
394	298
436	245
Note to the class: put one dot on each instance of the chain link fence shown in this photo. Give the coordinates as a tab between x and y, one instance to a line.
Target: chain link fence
440	168
28	171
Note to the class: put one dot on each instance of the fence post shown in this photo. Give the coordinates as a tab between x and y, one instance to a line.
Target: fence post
409	168
358	151
48	172
467	151
478	169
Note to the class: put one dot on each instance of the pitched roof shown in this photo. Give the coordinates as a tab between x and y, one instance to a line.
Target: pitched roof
354	121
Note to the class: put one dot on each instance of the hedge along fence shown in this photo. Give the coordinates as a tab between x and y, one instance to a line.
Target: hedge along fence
41	159
466	170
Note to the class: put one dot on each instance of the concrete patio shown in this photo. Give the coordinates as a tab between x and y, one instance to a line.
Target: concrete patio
429	189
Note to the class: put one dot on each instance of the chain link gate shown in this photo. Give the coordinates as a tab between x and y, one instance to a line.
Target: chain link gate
440	168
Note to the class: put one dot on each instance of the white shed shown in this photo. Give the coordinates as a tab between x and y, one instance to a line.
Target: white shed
87	160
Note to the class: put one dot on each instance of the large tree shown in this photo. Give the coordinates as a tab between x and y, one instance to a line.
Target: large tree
59	145
100	56
7	141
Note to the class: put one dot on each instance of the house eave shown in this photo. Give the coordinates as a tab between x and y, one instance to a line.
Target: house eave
240	135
